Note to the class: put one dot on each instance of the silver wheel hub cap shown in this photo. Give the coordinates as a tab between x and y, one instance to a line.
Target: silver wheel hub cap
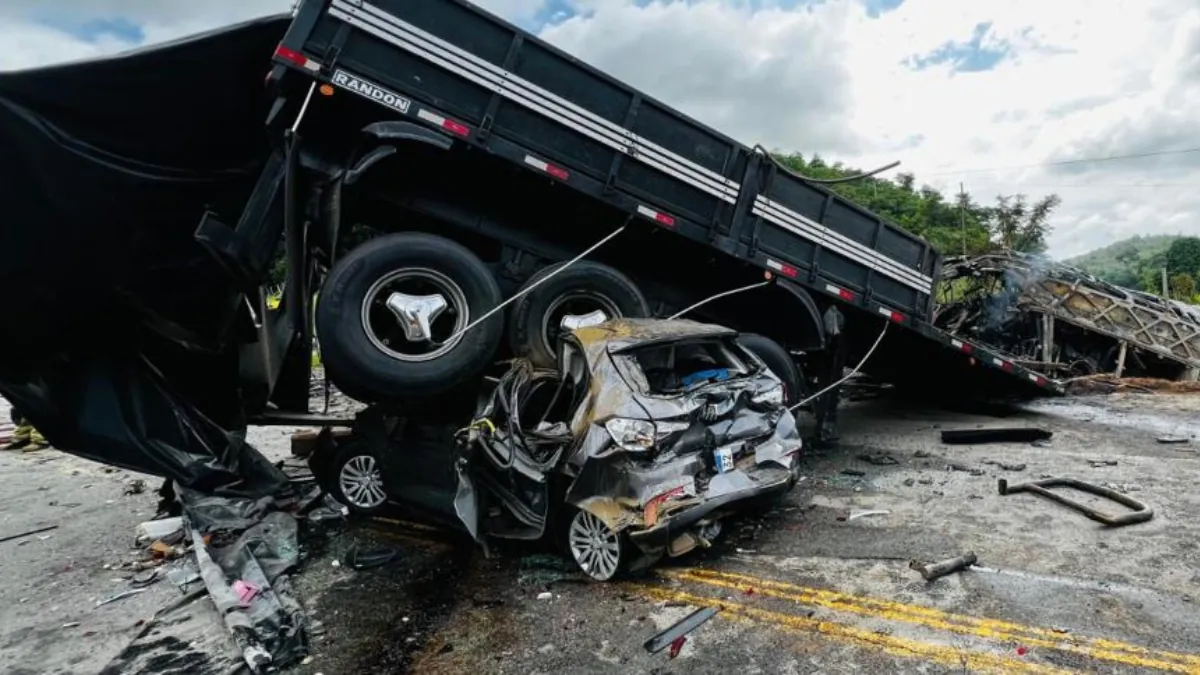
596	548
573	321
361	482
416	313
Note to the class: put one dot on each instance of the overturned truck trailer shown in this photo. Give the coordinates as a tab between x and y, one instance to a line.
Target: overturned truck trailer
1064	322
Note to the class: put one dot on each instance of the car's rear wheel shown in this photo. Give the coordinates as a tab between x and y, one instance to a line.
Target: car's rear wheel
779	361
600	552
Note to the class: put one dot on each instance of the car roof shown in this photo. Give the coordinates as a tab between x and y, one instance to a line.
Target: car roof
620	335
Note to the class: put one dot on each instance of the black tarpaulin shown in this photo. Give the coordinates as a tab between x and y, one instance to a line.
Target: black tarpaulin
113	322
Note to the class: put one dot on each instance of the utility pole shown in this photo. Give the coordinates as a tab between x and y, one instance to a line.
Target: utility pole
1166	291
962	215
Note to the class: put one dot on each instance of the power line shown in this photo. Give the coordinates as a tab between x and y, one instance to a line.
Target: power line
1067	162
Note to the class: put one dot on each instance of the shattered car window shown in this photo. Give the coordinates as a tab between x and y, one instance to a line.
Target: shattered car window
679	367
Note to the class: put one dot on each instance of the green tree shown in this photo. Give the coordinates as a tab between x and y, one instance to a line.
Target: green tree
1183	256
1183	287
1018	225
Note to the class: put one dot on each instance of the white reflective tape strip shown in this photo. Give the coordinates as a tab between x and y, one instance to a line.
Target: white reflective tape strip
431	117
998	362
817	237
956	344
648	212
813	230
838	241
312	65
1035	378
536	163
392	29
775	265
890	313
833	289
827	238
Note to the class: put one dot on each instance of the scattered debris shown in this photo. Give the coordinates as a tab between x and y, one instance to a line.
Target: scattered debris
1141	512
163	529
965	468
935	570
147	577
1173	439
371	558
136	487
677	633
245	591
925	480
879	459
72	624
864	513
120	596
1005	466
545	595
853	472
921	454
28	533
1002	435
1097	463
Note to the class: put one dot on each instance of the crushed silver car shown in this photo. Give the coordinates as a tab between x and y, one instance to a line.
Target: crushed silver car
649	433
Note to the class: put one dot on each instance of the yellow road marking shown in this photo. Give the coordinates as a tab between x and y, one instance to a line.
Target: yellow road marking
1097	648
894	646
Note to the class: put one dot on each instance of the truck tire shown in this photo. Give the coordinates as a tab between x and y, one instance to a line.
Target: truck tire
439	286
779	361
580	290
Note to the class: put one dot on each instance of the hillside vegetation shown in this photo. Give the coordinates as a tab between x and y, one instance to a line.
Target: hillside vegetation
1138	263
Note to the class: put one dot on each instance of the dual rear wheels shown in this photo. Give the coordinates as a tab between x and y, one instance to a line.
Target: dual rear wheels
402	316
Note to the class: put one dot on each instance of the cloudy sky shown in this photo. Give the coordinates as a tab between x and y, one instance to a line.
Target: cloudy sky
1005	96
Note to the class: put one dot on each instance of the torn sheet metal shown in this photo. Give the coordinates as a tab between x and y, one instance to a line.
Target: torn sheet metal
655	428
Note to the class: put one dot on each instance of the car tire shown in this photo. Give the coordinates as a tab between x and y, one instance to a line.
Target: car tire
367	351
779	361
601	564
581	286
354	476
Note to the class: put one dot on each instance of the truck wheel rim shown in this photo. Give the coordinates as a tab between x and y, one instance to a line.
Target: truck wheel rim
411	314
573	306
595	547
361	482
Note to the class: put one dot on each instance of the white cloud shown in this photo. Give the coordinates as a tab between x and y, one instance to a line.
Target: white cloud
1080	78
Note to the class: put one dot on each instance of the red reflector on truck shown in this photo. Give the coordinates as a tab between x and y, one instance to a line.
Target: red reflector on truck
657	216
447	124
783	268
556	171
296	58
840	292
1007	366
965	347
891	314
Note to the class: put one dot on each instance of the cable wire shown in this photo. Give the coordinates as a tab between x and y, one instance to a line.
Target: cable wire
822	181
525	291
718	296
1067	162
852	372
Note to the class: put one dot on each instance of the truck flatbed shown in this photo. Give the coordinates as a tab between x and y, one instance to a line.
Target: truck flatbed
455	67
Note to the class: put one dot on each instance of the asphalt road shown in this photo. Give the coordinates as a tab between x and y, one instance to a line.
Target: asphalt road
803	588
